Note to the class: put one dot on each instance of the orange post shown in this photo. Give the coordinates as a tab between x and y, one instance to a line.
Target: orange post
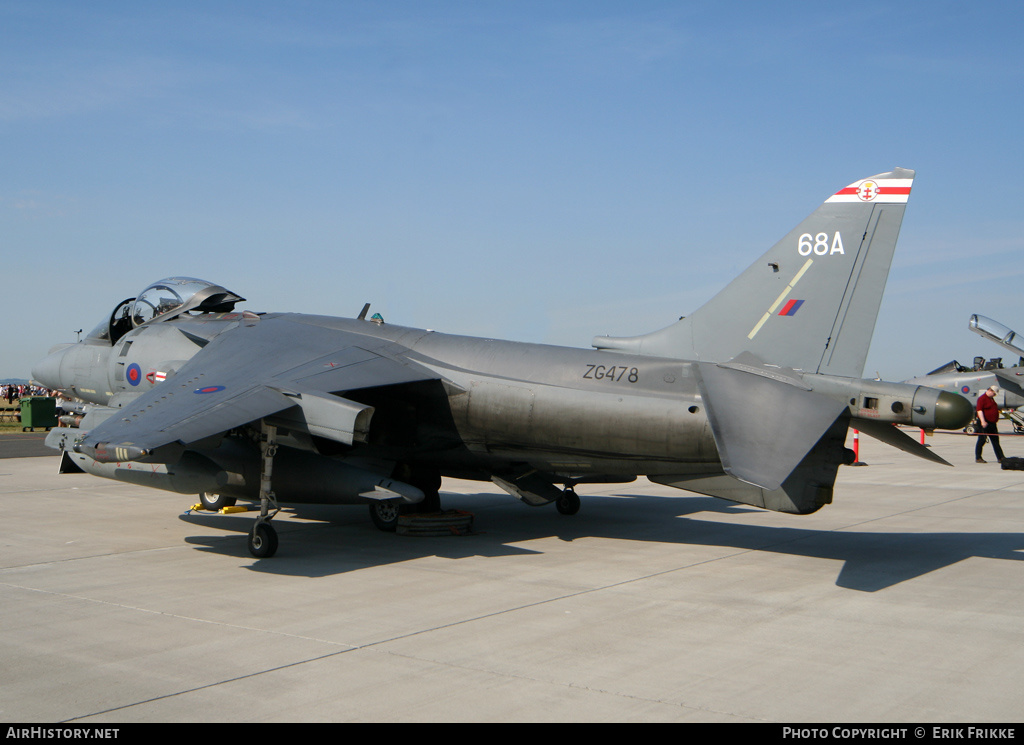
856	450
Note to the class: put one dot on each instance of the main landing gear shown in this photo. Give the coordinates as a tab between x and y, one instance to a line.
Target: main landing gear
263	537
568	503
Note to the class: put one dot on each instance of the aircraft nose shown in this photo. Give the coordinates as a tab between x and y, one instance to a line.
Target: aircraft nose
952	411
47	370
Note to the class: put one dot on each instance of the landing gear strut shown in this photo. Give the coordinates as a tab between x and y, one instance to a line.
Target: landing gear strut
428	480
263	537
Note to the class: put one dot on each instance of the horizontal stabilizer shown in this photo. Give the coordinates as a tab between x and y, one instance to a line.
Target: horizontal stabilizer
890	435
807	489
763	420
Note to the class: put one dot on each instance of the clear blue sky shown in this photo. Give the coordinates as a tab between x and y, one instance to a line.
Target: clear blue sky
528	170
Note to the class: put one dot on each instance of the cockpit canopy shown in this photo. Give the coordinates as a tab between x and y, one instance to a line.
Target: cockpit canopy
178	295
997	332
162	301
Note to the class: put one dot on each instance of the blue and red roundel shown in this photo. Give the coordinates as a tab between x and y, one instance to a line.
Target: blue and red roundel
134	374
965	389
209	389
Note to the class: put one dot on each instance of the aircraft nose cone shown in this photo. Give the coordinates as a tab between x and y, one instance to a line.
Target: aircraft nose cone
47	370
952	411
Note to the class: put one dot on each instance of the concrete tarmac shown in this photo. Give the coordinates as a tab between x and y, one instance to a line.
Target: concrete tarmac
23	445
901	602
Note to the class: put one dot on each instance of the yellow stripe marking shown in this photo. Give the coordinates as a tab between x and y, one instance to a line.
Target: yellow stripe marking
780	298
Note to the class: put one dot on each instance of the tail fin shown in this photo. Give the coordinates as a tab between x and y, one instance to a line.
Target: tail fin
809	303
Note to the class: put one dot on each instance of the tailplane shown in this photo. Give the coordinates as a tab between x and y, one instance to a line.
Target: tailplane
809	303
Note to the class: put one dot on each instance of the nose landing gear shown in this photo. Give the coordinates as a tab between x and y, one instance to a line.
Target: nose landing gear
263	540
263	537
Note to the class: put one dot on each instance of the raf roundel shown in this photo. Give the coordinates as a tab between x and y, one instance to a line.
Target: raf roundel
134	374
209	389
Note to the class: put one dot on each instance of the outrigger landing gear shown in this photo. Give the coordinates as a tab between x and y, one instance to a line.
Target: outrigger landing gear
568	503
263	537
385	515
214	502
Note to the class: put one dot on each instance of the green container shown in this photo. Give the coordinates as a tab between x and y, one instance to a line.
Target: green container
38	411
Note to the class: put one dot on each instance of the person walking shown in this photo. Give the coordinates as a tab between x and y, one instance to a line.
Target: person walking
988	415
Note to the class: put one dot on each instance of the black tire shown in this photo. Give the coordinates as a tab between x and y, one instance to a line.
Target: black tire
214	502
568	503
385	515
263	540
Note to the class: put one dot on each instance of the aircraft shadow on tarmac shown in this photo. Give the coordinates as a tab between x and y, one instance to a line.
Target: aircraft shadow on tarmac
334	540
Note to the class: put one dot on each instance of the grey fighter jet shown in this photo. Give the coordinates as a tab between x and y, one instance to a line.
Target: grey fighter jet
971	381
748	399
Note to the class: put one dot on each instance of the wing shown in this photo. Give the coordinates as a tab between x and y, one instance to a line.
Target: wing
250	372
1010	379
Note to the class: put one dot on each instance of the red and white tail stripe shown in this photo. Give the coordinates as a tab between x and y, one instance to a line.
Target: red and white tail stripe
876	190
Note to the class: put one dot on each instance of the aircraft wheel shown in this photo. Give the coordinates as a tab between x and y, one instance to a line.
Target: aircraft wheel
385	515
969	429
214	502
263	540
568	503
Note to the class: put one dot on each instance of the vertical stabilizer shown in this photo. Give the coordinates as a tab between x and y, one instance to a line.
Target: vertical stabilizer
809	303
